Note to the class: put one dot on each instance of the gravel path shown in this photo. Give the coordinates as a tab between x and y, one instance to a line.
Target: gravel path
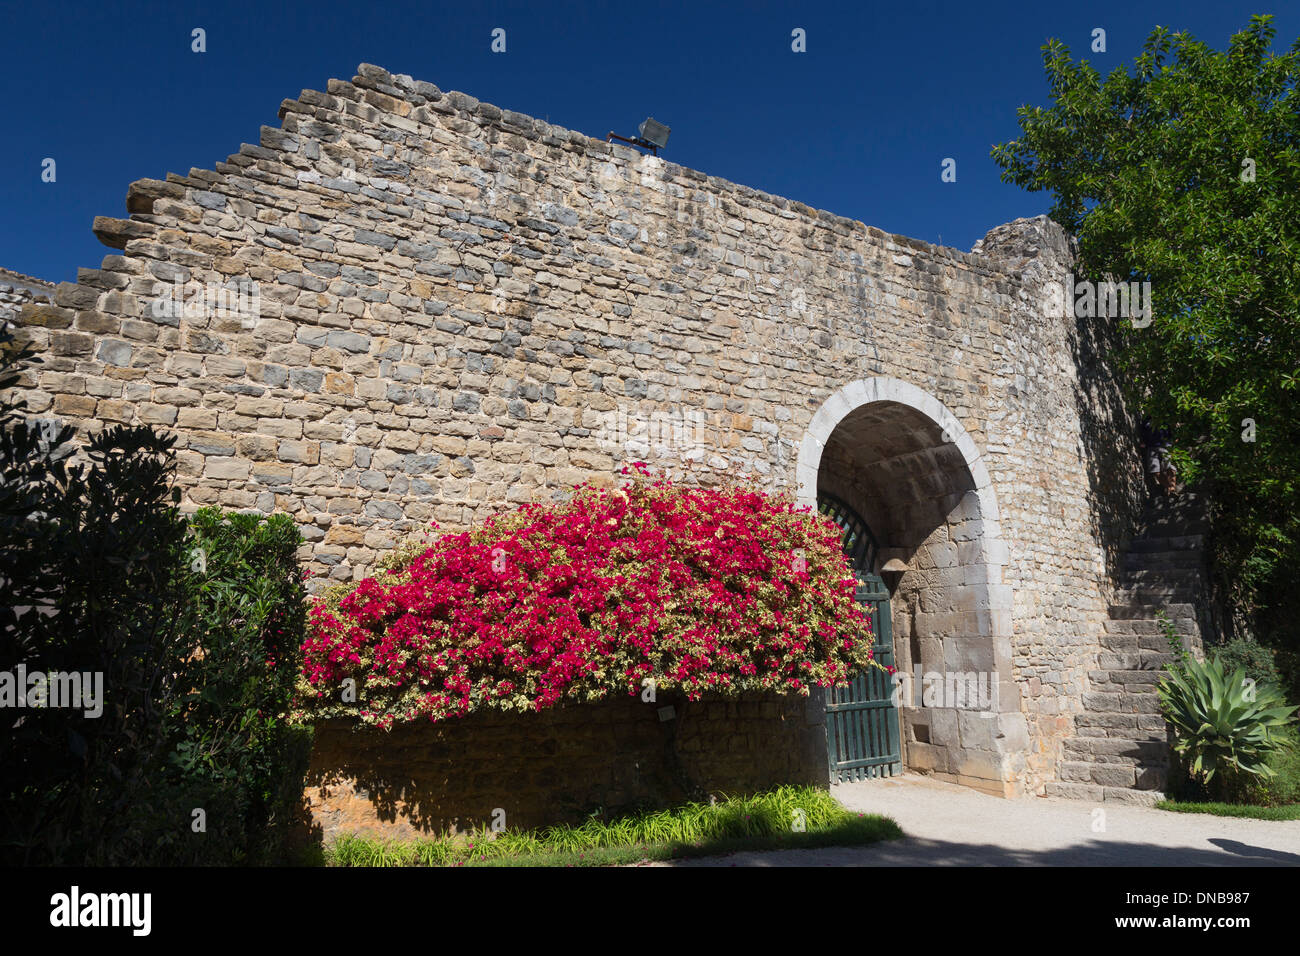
948	825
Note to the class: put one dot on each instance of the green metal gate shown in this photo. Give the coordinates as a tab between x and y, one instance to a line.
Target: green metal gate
862	738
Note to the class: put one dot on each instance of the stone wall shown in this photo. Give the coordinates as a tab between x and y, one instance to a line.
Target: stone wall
406	305
558	766
17	290
1061	449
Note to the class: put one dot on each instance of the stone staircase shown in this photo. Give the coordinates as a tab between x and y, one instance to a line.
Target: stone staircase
1121	752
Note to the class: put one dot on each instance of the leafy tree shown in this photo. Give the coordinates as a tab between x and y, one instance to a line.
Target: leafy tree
1185	172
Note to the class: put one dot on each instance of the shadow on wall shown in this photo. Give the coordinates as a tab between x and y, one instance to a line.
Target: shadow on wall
1108	434
562	765
1044	254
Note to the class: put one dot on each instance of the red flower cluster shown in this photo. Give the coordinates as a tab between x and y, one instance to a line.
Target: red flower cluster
693	589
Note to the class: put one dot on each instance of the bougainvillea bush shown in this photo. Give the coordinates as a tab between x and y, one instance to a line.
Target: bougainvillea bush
696	589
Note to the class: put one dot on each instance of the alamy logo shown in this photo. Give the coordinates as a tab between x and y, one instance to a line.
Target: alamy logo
239	298
23	688
963	690
74	908
684	431
1085	299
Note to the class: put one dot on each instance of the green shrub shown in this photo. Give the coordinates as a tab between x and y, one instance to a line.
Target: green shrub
1280	788
231	751
1250	656
1287	660
98	580
1221	722
87	557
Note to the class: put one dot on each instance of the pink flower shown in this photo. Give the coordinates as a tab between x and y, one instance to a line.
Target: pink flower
700	590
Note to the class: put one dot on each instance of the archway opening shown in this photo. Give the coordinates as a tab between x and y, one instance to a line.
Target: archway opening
908	471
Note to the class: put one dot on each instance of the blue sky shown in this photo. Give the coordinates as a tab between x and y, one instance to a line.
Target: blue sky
859	124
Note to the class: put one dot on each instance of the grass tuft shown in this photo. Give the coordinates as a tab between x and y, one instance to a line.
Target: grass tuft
762	821
1290	811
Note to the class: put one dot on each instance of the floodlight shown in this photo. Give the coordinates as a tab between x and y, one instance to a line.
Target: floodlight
654	132
654	136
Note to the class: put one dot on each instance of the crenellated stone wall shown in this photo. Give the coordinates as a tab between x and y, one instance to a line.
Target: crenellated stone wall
407	306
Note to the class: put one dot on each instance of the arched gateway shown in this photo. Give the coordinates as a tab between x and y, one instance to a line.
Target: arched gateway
894	455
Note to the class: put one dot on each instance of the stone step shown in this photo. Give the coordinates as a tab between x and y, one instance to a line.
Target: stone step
1163	560
1118	726
1162	580
1139	797
1154	740
1075	791
1143	612
1136	644
1173	527
1156	597
1193	493
1150	662
1158	560
1185	504
1188	576
1082	771
1147	752
1188	495
1147	627
1180	508
1187	542
1124	681
1097	794
1121	702
1118	775
1127	675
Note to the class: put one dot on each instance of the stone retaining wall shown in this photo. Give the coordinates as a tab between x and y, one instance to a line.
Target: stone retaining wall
559	765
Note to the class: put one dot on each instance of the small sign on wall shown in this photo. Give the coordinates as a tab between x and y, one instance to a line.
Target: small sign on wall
667	713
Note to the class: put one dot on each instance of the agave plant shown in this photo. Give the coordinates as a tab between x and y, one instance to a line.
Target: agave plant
1221	721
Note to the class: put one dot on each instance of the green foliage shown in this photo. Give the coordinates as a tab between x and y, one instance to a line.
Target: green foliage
87	553
1219	809
1243	794
1221	721
231	750
1280	787
1255	659
1174	640
97	575
1149	169
758	821
1287	659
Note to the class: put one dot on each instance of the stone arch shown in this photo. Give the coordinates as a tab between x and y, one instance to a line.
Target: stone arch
903	460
